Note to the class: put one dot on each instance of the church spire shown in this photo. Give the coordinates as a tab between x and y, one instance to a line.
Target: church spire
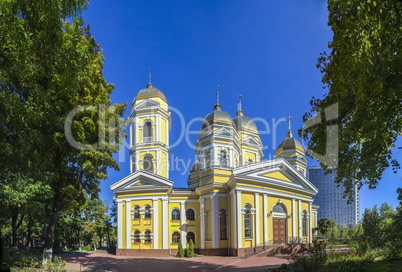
217	106
289	133
239	112
149	77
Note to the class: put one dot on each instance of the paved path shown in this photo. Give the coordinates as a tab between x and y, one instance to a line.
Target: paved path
81	261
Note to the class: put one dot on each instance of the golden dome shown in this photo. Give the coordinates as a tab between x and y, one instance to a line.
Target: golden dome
150	91
289	143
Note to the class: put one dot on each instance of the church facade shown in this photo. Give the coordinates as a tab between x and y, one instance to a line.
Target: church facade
234	201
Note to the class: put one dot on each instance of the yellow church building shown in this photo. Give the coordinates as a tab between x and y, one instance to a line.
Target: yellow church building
235	202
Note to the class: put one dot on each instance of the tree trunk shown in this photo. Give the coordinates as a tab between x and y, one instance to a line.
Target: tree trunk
15	224
49	238
29	242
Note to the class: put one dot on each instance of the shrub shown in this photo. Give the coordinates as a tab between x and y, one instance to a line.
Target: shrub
191	249
310	258
57	265
392	251
180	251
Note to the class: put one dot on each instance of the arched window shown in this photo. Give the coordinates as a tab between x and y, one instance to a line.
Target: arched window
147	238
136	214
247	222
304	223
175	237
222	224
147	162
223	159
136	238
190	214
175	214
147	131
190	236
147	213
279	208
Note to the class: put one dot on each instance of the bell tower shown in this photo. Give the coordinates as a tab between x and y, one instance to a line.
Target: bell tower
149	132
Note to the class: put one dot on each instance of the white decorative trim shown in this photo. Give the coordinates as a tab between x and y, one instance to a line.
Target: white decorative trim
120	225
166	223
257	217
128	225
155	224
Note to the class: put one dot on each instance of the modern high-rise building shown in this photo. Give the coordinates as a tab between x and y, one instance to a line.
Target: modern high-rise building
330	199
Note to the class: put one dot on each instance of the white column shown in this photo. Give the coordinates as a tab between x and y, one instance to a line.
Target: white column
158	162
310	224
202	223
119	225
300	220
155	223
166	224
294	214
128	225
264	218
158	128
183	224
215	220
232	160
239	220
257	217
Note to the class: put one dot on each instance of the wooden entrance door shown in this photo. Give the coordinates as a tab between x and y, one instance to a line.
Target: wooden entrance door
279	230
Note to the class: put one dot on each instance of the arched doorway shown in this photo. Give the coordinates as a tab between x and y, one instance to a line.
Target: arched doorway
279	224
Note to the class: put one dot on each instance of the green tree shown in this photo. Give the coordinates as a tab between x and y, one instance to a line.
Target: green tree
362	74
371	224
325	225
180	250
191	248
48	67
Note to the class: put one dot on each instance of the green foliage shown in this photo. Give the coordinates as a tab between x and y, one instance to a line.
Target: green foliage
362	74
189	251
325	224
57	265
180	250
30	261
310	258
48	67
393	251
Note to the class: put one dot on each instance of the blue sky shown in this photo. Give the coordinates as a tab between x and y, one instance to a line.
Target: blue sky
264	50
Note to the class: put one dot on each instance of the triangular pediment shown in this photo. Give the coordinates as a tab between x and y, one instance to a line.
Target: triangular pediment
250	141
278	173
147	103
223	132
141	180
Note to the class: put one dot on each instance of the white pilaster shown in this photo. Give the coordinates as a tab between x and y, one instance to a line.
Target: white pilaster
119	225
257	217
183	224
310	224
158	128
264	217
128	224
300	220
155	223
159	162
215	220
202	218
239	220
294	216
166	224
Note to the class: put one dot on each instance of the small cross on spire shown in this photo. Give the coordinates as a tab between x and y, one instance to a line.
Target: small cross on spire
149	76
239	103
289	118
217	94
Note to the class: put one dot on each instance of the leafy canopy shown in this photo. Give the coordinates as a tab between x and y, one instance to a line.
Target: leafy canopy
363	75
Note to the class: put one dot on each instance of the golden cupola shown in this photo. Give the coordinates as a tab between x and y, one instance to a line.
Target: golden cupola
293	151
